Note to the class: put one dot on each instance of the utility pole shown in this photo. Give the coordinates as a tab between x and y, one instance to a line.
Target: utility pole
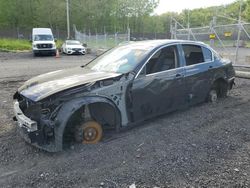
171	26
68	26
128	29
239	33
188	25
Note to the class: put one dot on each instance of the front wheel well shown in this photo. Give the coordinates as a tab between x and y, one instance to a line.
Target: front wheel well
103	113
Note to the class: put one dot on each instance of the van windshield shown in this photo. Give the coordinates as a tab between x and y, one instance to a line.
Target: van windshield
43	38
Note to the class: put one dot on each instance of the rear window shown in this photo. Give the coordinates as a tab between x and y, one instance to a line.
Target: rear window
73	43
193	54
207	54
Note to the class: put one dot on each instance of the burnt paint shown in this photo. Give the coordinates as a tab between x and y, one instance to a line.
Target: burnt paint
48	84
157	93
72	106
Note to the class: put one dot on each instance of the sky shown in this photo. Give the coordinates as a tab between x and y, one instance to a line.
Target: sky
179	5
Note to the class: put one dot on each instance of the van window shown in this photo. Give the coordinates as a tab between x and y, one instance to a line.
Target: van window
193	54
43	38
164	59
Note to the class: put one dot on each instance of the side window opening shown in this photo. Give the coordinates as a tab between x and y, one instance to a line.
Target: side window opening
193	54
164	59
207	54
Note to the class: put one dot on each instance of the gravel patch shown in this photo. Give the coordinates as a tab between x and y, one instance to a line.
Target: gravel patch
207	145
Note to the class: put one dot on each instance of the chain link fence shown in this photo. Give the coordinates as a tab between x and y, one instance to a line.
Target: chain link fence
101	41
232	41
26	33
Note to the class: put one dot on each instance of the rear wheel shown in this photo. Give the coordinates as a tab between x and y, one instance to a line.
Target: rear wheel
213	96
218	90
89	132
223	90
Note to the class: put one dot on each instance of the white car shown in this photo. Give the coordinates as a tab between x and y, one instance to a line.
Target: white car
73	47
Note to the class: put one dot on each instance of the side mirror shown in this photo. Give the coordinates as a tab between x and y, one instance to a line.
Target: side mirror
55	39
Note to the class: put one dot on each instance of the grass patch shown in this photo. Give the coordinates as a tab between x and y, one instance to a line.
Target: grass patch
14	45
7	44
59	43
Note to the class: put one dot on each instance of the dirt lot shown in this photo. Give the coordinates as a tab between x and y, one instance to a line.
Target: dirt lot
205	146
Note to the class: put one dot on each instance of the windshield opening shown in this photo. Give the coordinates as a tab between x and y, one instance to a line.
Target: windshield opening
73	43
122	59
43	38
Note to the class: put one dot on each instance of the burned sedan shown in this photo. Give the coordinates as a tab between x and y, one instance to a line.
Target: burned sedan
126	85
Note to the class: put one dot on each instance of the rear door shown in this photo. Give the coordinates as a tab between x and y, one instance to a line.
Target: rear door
199	72
159	87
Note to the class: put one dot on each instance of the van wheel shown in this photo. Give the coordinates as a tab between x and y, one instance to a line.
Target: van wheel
213	96
89	132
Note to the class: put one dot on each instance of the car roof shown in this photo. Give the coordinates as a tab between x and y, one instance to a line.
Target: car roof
156	43
72	41
37	31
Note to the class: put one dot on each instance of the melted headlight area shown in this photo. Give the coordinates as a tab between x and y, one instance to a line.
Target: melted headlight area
42	114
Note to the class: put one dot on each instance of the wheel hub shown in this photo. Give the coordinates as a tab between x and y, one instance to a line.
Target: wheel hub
213	96
90	134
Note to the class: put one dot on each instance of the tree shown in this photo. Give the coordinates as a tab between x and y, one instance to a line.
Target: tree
247	11
110	15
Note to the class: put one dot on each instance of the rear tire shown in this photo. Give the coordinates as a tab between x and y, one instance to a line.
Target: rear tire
218	90
223	90
213	96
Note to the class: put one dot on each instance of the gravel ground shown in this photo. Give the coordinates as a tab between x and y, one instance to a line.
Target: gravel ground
204	146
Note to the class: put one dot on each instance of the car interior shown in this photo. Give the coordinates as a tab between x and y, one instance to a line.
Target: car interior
163	60
193	54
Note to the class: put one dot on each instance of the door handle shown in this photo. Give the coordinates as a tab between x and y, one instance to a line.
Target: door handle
210	67
178	75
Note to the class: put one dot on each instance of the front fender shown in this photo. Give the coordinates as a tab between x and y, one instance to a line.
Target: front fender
69	108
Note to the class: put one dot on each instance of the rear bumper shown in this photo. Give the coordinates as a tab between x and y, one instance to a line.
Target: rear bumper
231	82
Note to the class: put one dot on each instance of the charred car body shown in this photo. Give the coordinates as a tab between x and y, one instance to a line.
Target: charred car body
124	86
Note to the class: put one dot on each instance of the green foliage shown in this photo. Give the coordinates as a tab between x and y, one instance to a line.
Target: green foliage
14	45
247	11
59	43
92	15
97	16
7	44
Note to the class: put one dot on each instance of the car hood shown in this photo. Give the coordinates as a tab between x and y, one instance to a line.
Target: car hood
74	46
48	84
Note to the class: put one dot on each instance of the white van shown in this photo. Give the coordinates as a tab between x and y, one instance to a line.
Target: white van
43	41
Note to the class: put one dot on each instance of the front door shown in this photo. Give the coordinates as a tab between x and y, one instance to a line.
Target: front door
159	88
